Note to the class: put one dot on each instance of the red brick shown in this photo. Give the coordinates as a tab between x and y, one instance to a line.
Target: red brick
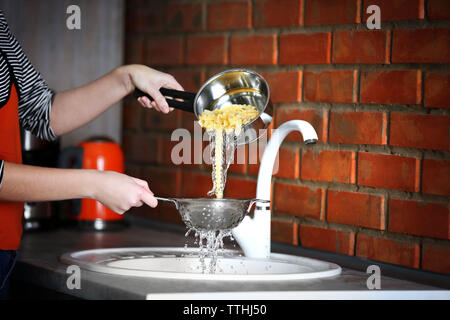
438	9
359	46
195	184
134	171
387	171
189	121
356	209
436	92
240	188
305	48
148	18
155	120
165	157
436	258
140	147
164	51
133	20
420	131
131	115
329	86
155	16
185	17
419	218
319	12
253	168
191	80
256	151
297	200
289	163
285	86
209	50
436	177
163	182
396	9
314	116
396	86
357	127
286	232
253	50
327	239
386	250
421	46
229	15
135	51
274	13
327	165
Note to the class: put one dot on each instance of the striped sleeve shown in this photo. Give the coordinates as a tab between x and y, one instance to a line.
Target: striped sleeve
35	98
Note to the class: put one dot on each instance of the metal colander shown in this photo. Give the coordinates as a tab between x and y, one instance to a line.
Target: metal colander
212	213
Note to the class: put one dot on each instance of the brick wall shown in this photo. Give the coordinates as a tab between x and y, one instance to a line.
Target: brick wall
377	184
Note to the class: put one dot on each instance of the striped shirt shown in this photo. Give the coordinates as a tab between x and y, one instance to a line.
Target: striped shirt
35	98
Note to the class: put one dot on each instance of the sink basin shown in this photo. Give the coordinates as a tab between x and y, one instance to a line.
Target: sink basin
181	263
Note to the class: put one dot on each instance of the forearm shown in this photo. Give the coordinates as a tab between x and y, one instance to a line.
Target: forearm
117	191
73	108
28	183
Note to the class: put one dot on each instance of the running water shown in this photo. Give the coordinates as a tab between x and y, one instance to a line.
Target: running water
210	243
223	126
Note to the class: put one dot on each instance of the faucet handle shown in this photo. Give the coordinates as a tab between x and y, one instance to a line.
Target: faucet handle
253	201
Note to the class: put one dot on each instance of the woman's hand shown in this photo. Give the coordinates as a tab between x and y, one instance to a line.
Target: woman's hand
150	81
120	192
75	107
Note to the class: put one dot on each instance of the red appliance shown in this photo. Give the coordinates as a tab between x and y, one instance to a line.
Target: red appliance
100	154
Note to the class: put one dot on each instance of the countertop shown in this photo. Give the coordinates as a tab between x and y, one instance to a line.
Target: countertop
38	264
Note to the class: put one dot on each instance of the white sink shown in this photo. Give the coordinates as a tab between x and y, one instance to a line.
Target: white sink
180	263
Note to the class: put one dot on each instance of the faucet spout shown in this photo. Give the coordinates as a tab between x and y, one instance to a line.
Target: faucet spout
253	234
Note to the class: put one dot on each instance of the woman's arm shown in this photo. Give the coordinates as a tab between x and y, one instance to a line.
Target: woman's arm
73	108
117	191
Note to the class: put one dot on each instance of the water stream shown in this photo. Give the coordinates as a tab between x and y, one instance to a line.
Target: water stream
211	245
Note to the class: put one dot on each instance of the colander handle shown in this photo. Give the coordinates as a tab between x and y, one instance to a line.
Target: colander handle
253	201
174	201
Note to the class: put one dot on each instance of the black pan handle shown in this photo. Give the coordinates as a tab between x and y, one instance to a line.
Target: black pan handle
186	105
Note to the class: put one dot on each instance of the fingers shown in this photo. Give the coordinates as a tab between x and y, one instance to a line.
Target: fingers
149	198
145	102
160	101
143	184
171	83
162	80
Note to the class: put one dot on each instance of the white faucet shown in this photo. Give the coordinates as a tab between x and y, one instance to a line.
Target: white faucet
253	234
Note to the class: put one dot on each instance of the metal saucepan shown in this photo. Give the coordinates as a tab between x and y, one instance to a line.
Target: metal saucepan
212	213
235	86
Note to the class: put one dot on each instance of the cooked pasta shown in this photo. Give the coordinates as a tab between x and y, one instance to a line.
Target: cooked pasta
232	116
229	120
